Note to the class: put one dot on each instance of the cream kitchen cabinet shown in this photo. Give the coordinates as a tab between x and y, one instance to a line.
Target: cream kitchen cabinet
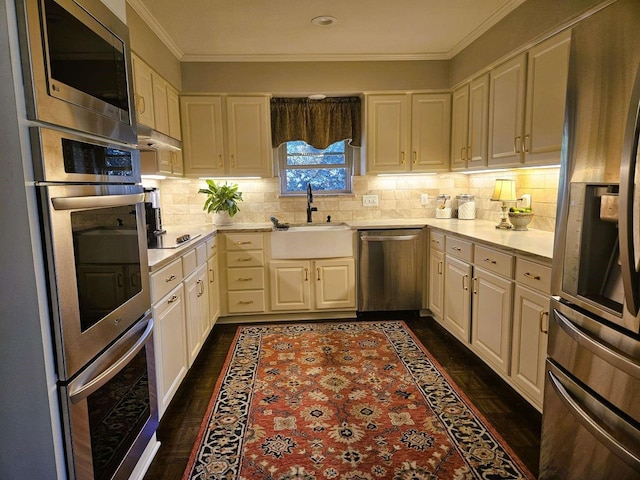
469	125
196	300
214	281
170	331
408	132
436	275
530	328
244	286
526	105
492	306
143	91
457	282
226	135
161	162
303	285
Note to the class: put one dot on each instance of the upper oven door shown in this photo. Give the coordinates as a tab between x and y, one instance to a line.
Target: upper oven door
68	158
97	255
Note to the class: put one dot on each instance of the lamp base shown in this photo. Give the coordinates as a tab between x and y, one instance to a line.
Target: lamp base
504	224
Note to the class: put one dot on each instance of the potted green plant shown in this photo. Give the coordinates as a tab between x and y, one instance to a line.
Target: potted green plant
222	201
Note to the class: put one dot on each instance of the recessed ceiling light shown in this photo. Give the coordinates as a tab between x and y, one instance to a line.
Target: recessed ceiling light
317	96
324	20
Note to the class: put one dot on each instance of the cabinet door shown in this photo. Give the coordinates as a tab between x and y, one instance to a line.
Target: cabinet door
170	345
430	132
214	290
459	127
457	301
335	283
547	72
143	88
436	283
160	105
173	110
387	133
491	319
478	123
290	285
506	112
249	135
530	326
203	139
197	311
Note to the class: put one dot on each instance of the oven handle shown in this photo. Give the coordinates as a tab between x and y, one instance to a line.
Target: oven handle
610	442
96	201
89	382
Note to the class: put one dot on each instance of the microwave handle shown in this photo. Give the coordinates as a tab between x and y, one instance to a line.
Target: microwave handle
630	276
94	379
96	201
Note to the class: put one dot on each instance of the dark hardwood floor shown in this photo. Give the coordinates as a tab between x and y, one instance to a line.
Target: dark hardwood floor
513	418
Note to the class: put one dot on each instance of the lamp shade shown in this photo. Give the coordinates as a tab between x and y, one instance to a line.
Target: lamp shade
504	190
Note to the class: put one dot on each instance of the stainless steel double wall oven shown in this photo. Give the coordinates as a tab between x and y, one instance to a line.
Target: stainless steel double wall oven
77	70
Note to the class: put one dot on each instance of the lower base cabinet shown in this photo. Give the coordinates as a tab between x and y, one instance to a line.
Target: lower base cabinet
457	298
436	283
197	310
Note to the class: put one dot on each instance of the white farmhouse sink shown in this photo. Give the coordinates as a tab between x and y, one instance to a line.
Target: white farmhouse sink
312	241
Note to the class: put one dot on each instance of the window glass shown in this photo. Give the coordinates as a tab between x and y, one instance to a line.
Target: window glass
328	170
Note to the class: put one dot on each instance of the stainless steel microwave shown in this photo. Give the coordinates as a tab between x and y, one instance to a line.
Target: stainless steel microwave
77	67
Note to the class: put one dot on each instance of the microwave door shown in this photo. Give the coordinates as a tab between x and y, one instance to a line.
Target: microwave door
629	203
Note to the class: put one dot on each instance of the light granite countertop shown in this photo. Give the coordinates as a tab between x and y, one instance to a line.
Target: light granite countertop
534	243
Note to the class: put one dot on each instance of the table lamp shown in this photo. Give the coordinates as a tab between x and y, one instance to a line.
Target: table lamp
504	191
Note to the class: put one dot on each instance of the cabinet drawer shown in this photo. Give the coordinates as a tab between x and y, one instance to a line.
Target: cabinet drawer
533	275
245	302
243	241
201	254
166	279
189	262
459	248
212	247
494	261
245	259
245	278
437	241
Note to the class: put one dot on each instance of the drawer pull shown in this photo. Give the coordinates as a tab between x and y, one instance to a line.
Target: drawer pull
457	249
172	299
245	302
437	242
475	285
306	274
170	278
544	326
245	259
245	279
439	268
532	276
246	242
488	260
465	282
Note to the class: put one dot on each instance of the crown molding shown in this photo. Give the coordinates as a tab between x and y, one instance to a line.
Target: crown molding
156	28
322	57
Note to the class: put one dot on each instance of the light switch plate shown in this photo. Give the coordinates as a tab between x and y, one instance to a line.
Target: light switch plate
370	200
424	199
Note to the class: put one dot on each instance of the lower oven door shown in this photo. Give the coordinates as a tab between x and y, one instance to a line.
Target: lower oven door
110	410
582	437
97	254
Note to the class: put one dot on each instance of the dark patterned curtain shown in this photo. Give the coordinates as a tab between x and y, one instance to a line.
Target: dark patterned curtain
320	123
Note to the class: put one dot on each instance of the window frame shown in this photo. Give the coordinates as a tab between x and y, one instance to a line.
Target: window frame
348	166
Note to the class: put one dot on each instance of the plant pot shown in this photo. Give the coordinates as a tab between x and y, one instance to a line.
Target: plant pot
222	218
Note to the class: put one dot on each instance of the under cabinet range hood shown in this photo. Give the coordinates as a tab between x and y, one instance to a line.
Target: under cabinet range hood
150	139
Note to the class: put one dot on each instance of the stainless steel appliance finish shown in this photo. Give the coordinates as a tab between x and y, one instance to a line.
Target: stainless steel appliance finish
591	413
77	67
111	409
390	270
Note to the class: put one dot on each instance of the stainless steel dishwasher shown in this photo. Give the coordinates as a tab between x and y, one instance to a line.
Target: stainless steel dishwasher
390	270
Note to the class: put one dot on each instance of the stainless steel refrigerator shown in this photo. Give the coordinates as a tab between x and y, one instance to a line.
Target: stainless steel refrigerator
591	416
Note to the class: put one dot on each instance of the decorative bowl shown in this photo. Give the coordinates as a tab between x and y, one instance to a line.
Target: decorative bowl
520	220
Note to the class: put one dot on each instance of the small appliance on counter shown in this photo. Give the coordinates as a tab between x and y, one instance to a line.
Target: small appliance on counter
153	216
443	206
466	207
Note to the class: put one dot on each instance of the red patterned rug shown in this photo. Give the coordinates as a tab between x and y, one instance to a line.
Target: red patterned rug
343	401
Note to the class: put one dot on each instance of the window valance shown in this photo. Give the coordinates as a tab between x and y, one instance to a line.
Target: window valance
320	123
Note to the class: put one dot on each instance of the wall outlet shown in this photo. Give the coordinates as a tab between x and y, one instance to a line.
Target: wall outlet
526	200
370	200
424	199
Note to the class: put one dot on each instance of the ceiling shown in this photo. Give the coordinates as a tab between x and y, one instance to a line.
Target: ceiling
281	30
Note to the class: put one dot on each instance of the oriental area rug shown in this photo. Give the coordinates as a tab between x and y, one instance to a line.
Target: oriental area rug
343	401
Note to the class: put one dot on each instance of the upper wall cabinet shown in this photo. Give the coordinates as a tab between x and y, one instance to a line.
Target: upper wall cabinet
408	132
226	135
469	123
156	100
526	105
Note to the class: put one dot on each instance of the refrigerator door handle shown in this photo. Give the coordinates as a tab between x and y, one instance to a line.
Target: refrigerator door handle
592	426
630	276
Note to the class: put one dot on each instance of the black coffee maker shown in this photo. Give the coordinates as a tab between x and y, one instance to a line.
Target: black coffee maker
152	213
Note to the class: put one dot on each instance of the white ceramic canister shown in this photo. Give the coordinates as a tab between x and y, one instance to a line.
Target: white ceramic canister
466	207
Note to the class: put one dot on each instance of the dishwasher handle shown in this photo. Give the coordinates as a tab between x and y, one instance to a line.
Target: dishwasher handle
387	238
